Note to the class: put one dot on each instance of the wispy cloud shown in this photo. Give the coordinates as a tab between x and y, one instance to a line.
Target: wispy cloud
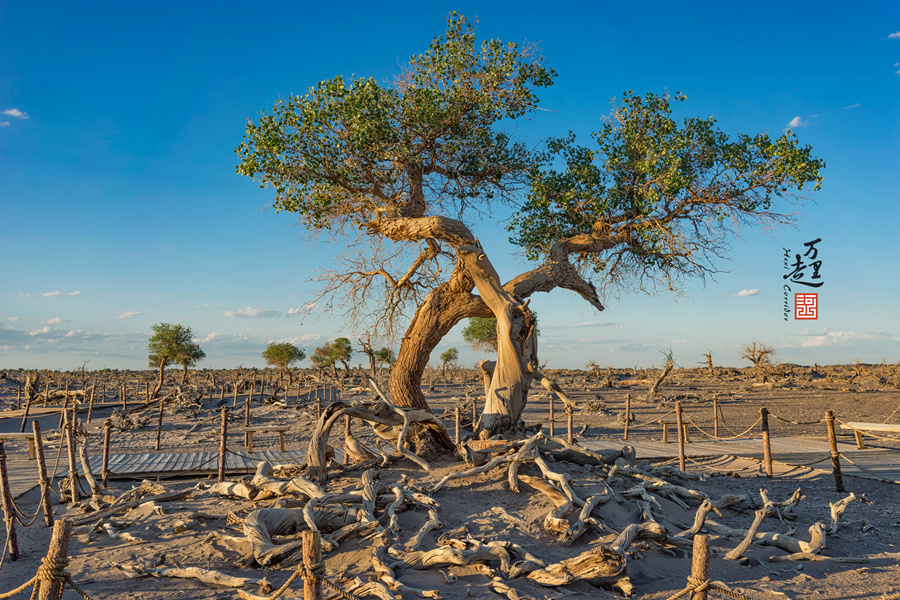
248	312
632	347
302	310
129	314
55	321
827	337
13	319
743	293
207	338
857	105
894	36
15	112
49	294
4	123
797	122
44	329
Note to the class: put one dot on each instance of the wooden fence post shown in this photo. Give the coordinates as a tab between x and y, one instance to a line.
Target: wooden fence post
52	589
223	448
716	415
42	473
346	436
9	513
247	420
312	587
458	419
569	437
680	424
552	396
73	469
835	460
104	471
627	414
159	424
700	564
767	447
91	403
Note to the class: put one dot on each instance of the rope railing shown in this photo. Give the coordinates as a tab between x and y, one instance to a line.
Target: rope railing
718	437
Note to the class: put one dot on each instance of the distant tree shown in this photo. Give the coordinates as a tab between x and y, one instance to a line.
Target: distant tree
342	350
323	357
282	356
761	356
188	356
167	345
667	368
481	333
385	355
448	356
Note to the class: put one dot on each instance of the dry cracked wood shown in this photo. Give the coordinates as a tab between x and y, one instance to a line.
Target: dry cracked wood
554	521
203	575
599	566
837	510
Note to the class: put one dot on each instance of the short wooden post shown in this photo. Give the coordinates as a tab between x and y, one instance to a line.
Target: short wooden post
159	424
104	471
767	447
18	396
122	396
552	396
312	586
319	402
67	390
146	392
73	469
25	416
569	436
474	412
835	460
223	448
346	437
627	414
700	564
91	403
680	425
42	473
235	395
247	420
716	415
52	589
9	513
457	424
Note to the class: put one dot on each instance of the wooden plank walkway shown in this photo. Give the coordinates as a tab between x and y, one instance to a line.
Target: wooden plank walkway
787	450
793	451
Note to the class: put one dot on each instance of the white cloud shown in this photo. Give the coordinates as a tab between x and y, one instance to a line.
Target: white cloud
15	112
44	329
129	314
4	123
827	337
13	319
894	36
797	122
250	312
73	293
743	293
51	294
54	321
208	338
857	105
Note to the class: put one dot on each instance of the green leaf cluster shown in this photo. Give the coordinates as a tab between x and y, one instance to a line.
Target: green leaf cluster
349	147
172	343
657	197
449	355
282	355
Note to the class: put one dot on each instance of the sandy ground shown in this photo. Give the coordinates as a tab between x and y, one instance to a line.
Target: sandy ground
483	504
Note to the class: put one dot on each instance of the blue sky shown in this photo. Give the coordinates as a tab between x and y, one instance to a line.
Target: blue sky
121	207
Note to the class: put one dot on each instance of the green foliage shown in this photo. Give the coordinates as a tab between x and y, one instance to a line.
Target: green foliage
170	344
385	355
656	200
449	355
348	147
332	353
282	355
190	354
481	333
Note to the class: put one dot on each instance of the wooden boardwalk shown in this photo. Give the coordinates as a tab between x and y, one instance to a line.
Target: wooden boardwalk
794	451
787	450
